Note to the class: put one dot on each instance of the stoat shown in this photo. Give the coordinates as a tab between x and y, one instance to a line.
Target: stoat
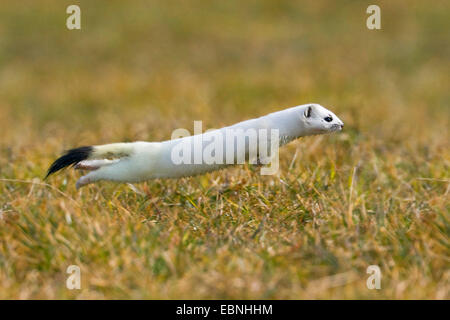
197	154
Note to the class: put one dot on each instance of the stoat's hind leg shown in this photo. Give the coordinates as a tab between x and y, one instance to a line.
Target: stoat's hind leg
95	167
94	164
103	170
91	177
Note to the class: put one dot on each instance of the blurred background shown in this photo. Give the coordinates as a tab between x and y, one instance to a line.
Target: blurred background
137	70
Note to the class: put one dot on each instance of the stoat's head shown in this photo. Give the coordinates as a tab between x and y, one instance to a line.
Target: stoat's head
319	120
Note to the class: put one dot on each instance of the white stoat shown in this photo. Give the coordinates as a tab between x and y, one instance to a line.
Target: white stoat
139	161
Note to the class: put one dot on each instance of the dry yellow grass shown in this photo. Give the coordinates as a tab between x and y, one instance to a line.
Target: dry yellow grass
376	194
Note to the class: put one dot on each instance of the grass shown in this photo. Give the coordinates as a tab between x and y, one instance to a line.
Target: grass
375	194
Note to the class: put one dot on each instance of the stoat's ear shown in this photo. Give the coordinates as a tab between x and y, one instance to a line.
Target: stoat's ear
308	112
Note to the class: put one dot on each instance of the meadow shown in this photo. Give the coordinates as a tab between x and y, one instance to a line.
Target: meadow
375	194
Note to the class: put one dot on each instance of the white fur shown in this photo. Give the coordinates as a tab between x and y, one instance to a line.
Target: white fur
141	161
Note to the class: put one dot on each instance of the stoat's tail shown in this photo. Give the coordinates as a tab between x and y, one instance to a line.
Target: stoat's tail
74	156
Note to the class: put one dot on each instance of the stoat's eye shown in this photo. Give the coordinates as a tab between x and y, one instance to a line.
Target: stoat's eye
328	119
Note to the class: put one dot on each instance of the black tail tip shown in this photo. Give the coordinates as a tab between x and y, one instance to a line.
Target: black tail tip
70	158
